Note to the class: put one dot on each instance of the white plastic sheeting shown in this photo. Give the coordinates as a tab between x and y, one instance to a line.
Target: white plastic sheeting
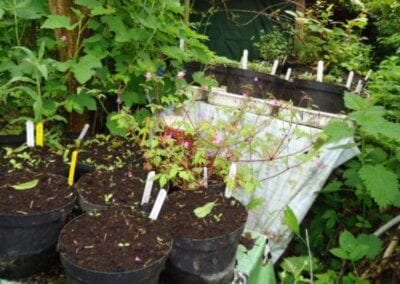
286	181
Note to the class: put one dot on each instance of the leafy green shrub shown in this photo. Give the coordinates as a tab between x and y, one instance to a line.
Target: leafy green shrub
274	45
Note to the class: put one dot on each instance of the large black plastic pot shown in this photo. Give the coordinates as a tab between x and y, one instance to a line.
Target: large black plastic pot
255	84
27	242
326	97
12	140
77	274
203	261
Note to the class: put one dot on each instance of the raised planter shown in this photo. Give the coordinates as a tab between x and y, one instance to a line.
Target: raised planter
325	97
114	246
29	232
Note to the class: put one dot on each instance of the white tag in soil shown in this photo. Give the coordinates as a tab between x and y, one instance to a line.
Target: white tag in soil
205	177
350	80
320	71
83	132
245	59
232	175
148	187
368	75
288	74
182	44
275	67
30	134
162	194
359	87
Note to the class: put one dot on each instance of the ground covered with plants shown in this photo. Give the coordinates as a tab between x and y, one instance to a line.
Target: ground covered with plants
98	106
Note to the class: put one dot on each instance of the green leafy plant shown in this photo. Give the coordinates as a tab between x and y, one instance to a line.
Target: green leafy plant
205	210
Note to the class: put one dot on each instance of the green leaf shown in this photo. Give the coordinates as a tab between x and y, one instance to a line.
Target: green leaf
91	4
26	185
338	130
340	253
355	102
80	102
347	241
332	187
57	22
255	202
85	68
358	252
374	245
204	210
291	220
381	183
173	52
112	125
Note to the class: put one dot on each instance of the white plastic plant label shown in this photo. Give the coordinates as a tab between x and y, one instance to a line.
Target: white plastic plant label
350	80
288	74
205	177
232	175
359	87
320	71
245	59
30	134
148	187
182	44
83	132
275	67
158	204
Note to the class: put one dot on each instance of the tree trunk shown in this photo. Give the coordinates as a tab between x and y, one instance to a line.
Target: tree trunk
68	52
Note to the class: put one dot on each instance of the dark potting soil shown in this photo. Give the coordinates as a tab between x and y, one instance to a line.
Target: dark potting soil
106	151
50	193
247	241
117	187
114	240
225	217
39	159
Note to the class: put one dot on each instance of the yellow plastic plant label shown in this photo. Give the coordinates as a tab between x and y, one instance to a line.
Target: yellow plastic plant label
39	134
72	169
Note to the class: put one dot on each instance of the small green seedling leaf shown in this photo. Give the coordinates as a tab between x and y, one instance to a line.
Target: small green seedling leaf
26	185
291	220
204	210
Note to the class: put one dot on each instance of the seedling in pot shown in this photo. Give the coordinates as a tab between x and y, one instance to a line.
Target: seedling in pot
108	197
205	210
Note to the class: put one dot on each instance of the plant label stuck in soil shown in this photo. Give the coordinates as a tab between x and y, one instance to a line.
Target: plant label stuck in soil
158	204
205	177
148	187
350	80
275	67
232	174
30	134
72	168
288	74
39	134
83	132
320	71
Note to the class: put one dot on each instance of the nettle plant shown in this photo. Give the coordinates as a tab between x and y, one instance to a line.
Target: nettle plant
339	44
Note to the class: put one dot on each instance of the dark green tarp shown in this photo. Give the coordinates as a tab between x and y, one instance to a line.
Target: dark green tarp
232	28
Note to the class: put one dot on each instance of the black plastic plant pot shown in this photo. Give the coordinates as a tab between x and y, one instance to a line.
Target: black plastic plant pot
77	274
255	84
205	261
12	140
325	97
27	242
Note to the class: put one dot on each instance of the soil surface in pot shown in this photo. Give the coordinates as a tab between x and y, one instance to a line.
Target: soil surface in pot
38	159
104	151
225	217
117	187
114	240
44	193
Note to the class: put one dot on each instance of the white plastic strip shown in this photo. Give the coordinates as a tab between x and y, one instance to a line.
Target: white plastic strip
359	87
84	131
288	74
320	71
232	175
158	204
245	59
148	187
350	80
30	134
275	67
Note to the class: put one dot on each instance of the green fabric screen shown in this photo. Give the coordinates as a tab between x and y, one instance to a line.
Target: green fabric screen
228	38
